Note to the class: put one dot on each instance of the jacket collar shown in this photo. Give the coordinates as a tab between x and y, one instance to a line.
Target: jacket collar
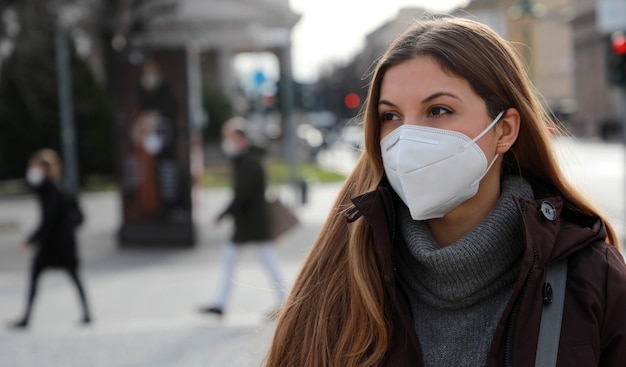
550	230
556	231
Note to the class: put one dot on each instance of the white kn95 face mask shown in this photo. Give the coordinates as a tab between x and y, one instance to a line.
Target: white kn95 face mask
230	148
434	170
35	176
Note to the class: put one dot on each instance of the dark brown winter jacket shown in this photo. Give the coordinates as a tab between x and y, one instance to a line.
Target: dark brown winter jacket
593	331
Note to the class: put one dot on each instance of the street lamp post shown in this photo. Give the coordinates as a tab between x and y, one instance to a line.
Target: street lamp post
66	108
526	8
280	38
68	17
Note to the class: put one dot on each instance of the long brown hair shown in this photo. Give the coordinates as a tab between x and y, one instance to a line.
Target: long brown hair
335	313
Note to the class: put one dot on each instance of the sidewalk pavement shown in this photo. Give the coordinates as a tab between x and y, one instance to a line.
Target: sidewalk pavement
144	301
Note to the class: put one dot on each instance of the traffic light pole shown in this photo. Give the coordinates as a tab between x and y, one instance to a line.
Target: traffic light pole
287	106
616	71
622	96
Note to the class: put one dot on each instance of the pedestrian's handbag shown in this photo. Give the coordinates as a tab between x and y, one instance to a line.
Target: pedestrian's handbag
283	218
73	214
551	315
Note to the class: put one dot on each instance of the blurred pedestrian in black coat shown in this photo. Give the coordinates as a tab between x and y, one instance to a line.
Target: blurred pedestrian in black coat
54	240
249	209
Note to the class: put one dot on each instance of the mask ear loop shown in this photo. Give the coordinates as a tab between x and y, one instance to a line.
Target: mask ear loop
495	158
491	164
491	125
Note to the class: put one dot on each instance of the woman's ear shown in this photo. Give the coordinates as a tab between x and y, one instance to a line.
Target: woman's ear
507	130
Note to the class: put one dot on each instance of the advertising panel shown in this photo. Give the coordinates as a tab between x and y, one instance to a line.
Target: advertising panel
153	144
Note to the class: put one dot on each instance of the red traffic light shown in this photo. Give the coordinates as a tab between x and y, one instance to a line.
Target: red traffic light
352	100
618	42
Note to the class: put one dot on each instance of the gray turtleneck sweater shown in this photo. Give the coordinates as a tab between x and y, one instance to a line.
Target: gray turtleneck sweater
458	293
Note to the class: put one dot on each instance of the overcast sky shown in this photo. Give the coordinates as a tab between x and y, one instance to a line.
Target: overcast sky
332	31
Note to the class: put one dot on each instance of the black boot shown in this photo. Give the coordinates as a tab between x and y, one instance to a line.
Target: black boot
86	320
212	310
20	324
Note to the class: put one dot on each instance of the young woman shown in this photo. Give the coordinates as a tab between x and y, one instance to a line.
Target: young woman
437	248
54	240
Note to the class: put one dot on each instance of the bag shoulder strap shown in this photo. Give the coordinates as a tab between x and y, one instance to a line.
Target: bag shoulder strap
552	314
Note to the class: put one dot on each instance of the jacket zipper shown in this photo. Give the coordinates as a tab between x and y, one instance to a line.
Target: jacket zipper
392	211
392	214
510	324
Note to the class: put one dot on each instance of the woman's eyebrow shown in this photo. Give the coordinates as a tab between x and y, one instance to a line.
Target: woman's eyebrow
425	100
385	102
440	94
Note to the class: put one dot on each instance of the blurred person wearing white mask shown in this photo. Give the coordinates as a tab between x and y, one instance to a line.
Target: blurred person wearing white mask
250	211
54	240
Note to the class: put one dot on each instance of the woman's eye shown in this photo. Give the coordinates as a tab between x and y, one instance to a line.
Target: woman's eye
388	116
439	111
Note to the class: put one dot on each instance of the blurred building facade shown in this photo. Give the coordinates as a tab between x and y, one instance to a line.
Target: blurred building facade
543	38
601	108
547	35
563	48
378	40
